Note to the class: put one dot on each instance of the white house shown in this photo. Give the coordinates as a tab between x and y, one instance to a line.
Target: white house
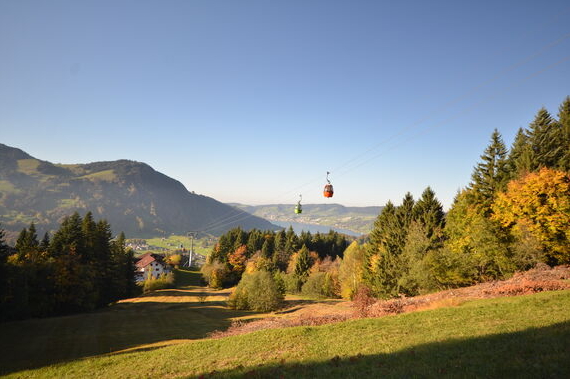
149	265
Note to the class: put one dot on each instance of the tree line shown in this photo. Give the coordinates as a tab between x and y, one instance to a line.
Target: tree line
81	267
513	215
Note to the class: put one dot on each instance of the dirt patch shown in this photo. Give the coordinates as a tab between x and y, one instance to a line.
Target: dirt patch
541	278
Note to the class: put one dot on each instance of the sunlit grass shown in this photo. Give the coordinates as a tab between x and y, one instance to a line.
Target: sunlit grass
524	336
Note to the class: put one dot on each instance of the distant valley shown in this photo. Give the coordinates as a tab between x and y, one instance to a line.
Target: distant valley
318	217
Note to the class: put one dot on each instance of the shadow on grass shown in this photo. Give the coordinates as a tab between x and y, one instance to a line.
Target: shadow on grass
533	353
36	343
187	292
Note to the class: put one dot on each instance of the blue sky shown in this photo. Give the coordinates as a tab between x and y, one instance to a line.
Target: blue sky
253	101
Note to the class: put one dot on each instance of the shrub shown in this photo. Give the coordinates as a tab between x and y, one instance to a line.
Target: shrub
363	300
160	283
314	285
258	291
216	274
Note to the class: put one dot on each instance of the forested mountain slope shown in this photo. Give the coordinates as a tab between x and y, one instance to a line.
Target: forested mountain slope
131	195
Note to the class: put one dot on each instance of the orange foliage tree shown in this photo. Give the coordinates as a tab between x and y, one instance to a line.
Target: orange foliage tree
539	203
238	258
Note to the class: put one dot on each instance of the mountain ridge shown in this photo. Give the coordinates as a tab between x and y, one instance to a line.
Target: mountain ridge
131	195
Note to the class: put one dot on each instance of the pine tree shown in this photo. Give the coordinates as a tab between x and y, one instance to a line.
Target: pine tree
490	175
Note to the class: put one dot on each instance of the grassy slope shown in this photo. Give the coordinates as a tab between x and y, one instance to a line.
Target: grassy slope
173	242
523	336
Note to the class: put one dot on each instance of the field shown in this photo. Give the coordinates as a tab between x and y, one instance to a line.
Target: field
162	335
172	243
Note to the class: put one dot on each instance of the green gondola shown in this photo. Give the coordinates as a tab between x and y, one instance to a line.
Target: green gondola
298	207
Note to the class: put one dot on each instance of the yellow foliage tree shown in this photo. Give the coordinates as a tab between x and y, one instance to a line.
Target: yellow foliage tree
540	203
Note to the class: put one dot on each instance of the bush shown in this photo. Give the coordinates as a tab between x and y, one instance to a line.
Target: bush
216	274
321	285
258	291
314	285
160	283
293	283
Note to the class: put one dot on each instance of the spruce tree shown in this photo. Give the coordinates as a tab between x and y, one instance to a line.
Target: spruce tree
520	155
44	244
303	263
564	124
21	243
428	211
545	139
490	175
4	251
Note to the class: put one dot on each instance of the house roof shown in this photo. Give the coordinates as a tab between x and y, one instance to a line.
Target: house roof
148	258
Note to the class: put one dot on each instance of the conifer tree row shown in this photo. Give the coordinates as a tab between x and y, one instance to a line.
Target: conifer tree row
80	268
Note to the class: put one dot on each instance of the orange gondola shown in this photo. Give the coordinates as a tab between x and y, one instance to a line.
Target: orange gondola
328	191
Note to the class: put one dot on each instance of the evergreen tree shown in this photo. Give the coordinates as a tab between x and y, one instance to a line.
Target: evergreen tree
27	243
32	237
520	156
303	263
68	238
44	244
21	243
4	251
564	124
267	248
428	211
254	241
490	175
382	252
545	139
90	238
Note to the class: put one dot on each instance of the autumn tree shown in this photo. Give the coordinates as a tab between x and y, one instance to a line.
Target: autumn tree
539	203
351	270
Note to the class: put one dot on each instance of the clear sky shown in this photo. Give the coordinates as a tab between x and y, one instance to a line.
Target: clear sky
253	101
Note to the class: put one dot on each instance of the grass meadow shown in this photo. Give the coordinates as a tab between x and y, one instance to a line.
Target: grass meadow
162	335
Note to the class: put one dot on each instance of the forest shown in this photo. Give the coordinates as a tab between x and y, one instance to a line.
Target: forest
80	268
513	215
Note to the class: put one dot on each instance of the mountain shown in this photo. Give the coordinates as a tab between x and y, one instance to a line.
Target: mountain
131	195
359	220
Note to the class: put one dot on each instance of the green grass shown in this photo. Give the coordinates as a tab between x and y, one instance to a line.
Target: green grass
523	336
28	166
163	317
173	242
107	175
7	187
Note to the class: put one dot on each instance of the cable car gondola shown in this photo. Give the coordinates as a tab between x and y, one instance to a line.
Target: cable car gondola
298	207
328	191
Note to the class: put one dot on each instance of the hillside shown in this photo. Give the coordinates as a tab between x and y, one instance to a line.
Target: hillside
523	336
131	195
356	219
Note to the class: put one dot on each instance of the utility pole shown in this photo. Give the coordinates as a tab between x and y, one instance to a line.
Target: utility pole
192	235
